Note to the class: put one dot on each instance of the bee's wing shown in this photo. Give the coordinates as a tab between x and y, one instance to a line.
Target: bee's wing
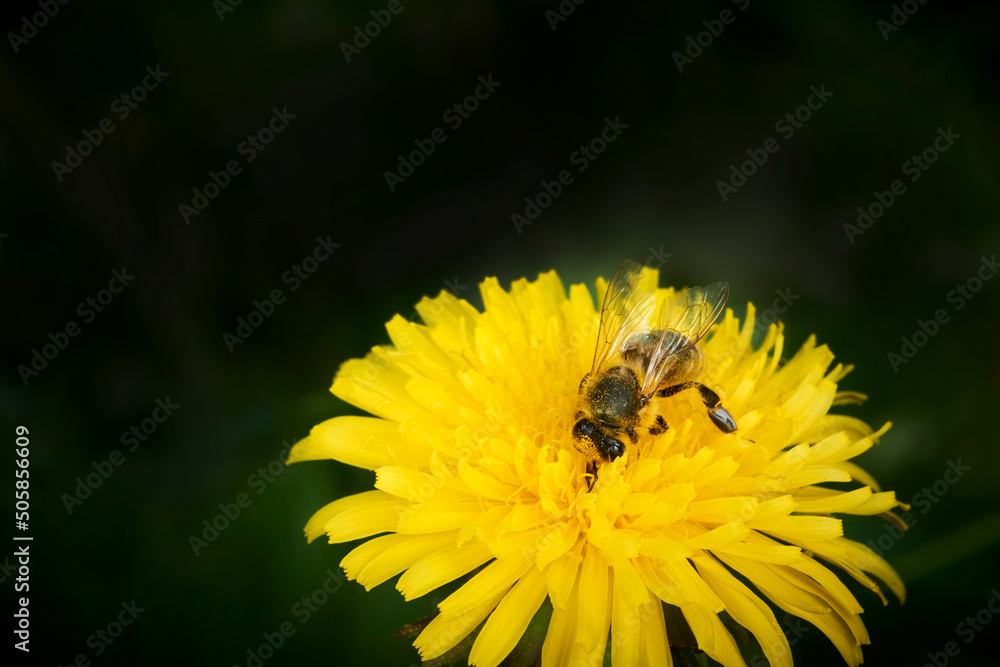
682	322
626	311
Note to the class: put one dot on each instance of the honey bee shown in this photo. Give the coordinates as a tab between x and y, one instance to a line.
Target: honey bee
641	355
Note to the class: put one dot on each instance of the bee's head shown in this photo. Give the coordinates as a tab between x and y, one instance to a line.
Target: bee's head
593	439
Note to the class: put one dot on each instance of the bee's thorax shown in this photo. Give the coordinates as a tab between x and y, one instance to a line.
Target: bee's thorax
615	397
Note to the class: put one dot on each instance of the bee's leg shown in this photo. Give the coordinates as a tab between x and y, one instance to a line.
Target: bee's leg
659	426
718	414
592	473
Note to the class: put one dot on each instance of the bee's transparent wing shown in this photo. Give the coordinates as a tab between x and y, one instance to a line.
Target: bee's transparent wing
626	311
681	323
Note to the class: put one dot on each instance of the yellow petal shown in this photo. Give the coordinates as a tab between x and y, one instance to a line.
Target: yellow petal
594	611
723	510
629	614
834	627
445	632
406	483
413	341
483	527
368	501
784	591
685	576
663	548
850	617
656	648
818	475
724	536
628	584
829	582
838	555
376	384
395	556
626	627
484	484
560	578
509	620
748	610
436	397
794	528
659	584
613	543
495	578
859	474
713	637
557	540
436	516
440	567
834	502
756	546
867	560
314	527
879	503
560	638
356	441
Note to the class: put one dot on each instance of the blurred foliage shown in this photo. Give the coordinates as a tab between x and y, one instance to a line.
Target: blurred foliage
449	225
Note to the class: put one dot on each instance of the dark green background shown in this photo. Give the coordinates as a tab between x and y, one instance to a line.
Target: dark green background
323	175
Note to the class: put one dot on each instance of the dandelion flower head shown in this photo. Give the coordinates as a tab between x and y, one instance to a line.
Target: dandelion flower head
477	479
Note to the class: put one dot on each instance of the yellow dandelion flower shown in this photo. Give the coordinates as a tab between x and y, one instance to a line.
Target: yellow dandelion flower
476	469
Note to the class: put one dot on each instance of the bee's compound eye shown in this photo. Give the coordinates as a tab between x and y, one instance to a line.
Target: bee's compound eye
611	448
583	428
